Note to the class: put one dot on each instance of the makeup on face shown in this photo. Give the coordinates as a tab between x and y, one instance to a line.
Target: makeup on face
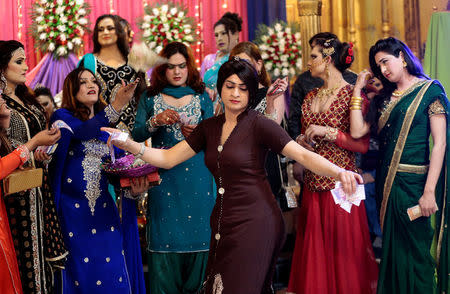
177	70
17	68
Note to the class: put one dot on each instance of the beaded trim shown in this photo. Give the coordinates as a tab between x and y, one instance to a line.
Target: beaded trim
436	108
111	114
94	150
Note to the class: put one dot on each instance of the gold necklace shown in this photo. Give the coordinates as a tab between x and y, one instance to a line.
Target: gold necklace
325	93
398	93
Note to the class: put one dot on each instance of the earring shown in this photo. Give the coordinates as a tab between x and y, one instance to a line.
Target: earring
327	70
405	64
3	82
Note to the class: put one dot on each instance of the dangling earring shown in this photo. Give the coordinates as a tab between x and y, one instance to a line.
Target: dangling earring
405	64
3	82
327	70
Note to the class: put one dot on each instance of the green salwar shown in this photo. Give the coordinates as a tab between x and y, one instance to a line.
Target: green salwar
176	273
407	266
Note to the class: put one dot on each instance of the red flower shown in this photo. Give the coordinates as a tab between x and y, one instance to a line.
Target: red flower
348	60
350	51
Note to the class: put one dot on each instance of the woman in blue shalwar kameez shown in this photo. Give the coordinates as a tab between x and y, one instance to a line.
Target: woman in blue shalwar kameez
98	261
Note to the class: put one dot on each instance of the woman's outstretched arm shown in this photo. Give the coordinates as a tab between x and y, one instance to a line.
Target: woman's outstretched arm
164	158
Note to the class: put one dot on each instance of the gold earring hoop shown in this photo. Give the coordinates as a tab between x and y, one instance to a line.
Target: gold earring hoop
405	64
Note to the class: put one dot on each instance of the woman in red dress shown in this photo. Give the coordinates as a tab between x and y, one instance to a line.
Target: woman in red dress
333	252
9	270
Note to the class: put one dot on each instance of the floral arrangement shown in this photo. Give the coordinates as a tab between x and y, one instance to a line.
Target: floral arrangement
165	23
59	25
280	49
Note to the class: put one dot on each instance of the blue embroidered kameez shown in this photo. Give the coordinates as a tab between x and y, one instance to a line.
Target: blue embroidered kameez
101	259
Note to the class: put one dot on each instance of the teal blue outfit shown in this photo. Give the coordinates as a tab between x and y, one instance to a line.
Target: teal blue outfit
179	209
210	77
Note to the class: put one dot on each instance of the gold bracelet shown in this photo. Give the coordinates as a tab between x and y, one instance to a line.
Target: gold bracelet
355	108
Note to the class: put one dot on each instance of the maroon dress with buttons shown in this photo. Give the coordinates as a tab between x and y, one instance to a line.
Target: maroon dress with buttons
247	229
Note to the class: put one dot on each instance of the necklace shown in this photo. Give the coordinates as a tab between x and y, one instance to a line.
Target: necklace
398	93
323	93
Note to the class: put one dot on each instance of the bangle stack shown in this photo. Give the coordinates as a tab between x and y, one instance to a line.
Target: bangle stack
331	134
272	116
152	124
141	151
356	103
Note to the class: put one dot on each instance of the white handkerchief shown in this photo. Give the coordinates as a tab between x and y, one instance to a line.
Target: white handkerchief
345	201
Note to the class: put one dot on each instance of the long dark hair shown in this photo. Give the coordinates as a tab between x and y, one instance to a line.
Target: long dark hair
24	93
122	40
70	91
159	79
393	47
246	73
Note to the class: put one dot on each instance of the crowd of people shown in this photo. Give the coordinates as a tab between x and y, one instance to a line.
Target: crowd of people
213	223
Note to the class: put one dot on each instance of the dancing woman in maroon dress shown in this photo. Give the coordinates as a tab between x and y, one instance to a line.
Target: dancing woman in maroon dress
246	223
333	253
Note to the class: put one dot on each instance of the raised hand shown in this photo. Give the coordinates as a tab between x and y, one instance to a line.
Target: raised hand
124	95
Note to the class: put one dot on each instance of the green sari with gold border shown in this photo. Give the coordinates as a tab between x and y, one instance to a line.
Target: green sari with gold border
407	266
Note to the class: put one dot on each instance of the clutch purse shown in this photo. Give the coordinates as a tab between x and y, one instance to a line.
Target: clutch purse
22	180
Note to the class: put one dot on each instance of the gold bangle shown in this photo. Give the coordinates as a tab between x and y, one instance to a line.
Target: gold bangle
355	108
357	98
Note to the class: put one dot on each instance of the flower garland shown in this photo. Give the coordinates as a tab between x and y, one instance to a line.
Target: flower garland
280	49
165	23
59	25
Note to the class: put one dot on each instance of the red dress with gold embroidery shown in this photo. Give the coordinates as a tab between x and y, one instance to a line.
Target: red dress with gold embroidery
333	252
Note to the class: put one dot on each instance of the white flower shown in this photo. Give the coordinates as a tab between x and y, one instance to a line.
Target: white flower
69	45
50	18
155	11
61	51
278	27
285	72
59	10
52	34
189	38
173	11
79	2
39	19
187	26
147	18
165	8
152	45
82	11
264	56
166	27
270	31
285	64
40	10
288	30
147	33
264	38
187	31
280	36
63	19
40	28
283	57
158	49
62	28
83	21
51	47
269	65
70	23
168	35
297	35
145	25
81	32
43	36
77	41
181	14
63	37
271	49
276	72
60	2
